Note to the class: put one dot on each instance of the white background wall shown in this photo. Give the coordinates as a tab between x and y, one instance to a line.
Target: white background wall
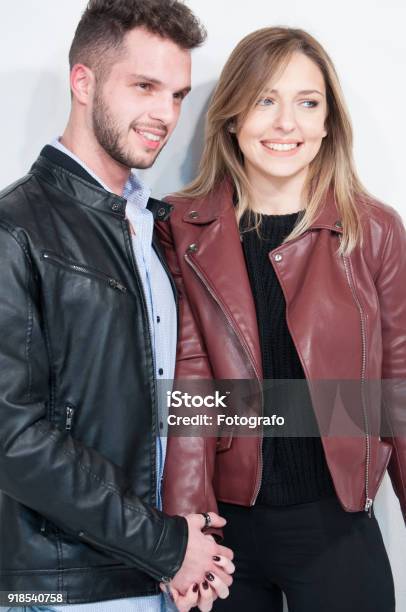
365	40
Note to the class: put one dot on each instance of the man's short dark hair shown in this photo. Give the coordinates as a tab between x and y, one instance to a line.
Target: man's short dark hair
100	32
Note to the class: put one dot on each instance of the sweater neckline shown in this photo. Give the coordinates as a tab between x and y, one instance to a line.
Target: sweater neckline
280	216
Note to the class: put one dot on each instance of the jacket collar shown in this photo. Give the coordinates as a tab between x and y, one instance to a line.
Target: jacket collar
215	216
208	208
66	175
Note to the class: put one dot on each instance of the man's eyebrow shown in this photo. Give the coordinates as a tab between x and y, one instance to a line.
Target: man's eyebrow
185	90
144	77
302	92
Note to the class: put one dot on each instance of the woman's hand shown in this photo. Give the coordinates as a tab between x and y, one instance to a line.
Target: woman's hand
215	585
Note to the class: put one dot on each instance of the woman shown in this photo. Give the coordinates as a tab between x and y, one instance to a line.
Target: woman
288	269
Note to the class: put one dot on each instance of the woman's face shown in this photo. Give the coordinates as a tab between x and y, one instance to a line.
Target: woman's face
284	130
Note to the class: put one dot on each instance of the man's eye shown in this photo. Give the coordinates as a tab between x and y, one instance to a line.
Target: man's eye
179	96
144	86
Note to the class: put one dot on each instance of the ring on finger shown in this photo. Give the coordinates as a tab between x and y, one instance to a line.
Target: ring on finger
207	519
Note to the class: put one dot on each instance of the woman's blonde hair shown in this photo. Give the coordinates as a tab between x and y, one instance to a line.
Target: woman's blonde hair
256	58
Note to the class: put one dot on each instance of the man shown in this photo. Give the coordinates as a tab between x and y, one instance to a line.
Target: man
88	322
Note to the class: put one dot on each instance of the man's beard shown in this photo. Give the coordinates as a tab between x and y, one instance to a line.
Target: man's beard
109	136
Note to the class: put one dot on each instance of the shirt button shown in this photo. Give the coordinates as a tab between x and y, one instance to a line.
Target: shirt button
160	371
116	207
278	257
192	248
193	214
158	319
161	213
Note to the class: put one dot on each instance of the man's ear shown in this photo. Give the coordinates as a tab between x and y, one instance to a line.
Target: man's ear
82	82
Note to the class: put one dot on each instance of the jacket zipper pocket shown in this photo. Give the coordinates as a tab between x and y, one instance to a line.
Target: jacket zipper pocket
69	414
85	270
206	284
368	500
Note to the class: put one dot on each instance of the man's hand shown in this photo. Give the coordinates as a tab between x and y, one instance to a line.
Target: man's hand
201	596
184	602
201	558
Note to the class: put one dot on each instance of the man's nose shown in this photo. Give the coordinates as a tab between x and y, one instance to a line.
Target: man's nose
164	109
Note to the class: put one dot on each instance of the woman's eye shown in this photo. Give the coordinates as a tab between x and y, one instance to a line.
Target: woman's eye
265	102
310	103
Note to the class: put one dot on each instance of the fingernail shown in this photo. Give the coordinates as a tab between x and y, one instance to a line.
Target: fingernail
195	588
205	584
216	558
210	577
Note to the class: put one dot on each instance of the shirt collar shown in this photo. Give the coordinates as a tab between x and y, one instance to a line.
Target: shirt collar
135	191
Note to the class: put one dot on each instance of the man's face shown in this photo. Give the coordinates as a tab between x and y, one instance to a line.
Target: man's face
136	108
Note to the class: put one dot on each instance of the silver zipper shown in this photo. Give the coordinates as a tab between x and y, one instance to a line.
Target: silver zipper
69	411
368	500
112	282
247	352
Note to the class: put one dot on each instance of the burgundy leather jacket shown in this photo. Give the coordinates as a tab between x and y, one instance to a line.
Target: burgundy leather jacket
347	319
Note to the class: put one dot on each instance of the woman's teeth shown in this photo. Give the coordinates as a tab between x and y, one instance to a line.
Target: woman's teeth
281	147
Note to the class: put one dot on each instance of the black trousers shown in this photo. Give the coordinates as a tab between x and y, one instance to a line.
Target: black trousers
323	558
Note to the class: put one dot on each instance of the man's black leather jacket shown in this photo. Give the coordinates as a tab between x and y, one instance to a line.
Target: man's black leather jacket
77	395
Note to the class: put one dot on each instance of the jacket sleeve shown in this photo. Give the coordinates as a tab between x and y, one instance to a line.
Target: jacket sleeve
190	461
46	469
391	284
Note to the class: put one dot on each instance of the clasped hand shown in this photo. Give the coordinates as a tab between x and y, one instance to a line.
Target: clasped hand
206	570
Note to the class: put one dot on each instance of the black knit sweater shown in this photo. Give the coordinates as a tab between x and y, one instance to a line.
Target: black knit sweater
294	468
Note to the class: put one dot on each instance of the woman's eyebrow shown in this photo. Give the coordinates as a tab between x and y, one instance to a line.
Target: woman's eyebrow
302	92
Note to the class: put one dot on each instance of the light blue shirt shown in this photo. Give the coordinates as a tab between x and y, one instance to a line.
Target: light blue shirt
163	328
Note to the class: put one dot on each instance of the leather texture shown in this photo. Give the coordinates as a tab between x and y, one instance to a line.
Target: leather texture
77	398
347	319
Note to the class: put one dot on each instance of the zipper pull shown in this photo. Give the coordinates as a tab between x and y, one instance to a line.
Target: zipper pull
368	506
116	285
69	418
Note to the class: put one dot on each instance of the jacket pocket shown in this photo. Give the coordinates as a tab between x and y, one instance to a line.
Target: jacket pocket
66	423
85	270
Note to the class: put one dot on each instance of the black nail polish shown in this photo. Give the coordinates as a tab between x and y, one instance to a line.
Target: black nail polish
205	585
210	577
216	558
195	588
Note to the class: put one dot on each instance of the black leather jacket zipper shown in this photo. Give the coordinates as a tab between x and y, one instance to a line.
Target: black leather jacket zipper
85	270
69	414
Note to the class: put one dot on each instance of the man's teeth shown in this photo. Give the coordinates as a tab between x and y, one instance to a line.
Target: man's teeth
153	137
281	147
